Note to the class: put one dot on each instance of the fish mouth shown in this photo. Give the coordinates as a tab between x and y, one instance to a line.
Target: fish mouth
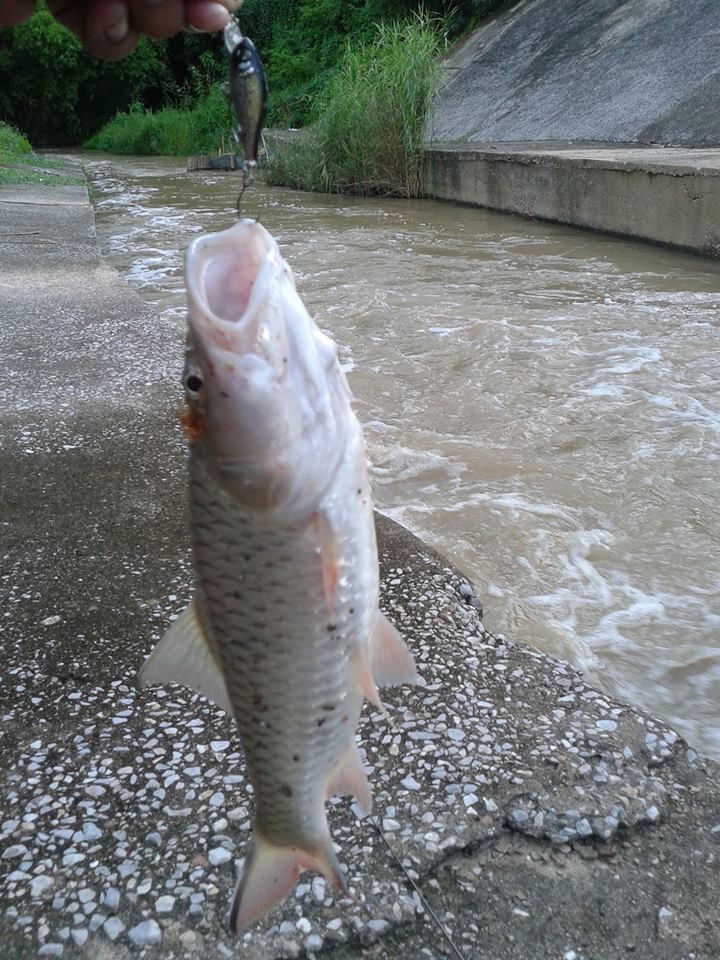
223	272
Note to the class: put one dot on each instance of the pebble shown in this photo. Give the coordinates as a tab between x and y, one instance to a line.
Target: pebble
112	898
165	904
90	831
217	800
40	885
146	933
410	783
86	895
113	927
51	950
219	745
79	935
15	851
609	725
304	925
219	855
313	942
318	888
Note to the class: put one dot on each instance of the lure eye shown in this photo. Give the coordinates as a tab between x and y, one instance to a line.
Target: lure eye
193	383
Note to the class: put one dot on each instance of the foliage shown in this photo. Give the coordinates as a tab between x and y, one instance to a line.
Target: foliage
18	164
58	94
171	132
369	138
12	143
301	41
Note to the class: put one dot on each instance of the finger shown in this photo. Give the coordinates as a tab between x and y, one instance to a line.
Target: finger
13	12
109	33
157	18
206	16
102	27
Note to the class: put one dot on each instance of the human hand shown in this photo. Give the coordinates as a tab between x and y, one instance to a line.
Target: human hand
110	29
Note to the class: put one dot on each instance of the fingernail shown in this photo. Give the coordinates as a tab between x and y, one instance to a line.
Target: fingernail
218	14
118	31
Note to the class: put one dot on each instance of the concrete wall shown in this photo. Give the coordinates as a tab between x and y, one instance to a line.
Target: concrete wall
670	197
643	71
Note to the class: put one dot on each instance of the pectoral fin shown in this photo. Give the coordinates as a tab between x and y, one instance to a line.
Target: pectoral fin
184	655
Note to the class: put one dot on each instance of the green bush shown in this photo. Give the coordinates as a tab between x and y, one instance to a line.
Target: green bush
369	138
12	143
169	132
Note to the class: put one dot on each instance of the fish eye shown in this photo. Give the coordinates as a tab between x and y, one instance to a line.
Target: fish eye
193	383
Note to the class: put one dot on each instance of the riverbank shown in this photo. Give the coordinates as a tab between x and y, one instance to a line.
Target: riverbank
541	817
667	195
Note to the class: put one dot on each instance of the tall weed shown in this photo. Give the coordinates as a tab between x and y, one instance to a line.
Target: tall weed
369	137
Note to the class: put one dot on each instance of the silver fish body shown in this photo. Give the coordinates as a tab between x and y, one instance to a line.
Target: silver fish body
285	630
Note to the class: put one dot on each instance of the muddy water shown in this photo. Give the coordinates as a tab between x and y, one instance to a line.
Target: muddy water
542	405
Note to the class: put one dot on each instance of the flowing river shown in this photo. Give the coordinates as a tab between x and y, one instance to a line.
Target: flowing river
542	405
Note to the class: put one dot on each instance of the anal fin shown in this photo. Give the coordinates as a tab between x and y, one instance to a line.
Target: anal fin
184	655
390	659
349	777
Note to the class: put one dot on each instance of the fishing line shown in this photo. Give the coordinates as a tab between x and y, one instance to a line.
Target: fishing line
416	888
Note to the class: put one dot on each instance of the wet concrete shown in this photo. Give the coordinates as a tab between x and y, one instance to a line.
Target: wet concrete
667	195
539	817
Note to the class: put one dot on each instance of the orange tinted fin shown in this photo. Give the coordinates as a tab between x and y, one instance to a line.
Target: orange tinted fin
349	777
391	661
271	873
328	556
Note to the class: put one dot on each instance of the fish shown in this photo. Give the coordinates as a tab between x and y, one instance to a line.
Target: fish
285	630
247	90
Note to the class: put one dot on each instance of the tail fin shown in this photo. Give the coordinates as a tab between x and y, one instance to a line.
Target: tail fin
271	873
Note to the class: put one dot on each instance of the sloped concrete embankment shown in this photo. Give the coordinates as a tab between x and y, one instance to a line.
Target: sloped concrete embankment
540	817
643	71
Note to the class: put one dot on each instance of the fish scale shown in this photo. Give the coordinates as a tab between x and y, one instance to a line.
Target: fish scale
285	631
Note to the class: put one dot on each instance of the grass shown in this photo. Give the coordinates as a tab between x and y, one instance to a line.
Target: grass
370	135
18	164
169	132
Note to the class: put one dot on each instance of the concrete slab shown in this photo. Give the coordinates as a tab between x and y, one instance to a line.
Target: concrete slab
541	818
667	195
602	70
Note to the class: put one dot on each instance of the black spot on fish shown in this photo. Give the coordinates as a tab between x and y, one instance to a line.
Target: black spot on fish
286	789
359	492
296	758
246	557
321	721
344	718
351	610
331	627
328	706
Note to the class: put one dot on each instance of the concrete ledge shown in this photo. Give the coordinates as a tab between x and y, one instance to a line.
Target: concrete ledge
665	195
